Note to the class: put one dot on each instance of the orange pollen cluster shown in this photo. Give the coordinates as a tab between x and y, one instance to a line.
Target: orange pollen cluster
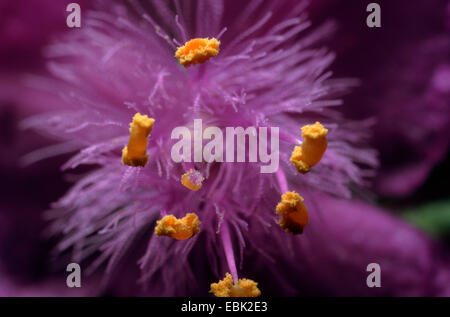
312	149
197	51
192	179
179	229
227	288
135	153
294	214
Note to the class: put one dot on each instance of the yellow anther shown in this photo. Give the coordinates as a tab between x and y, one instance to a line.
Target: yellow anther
192	179
135	153
179	229
312	149
226	288
293	212
197	51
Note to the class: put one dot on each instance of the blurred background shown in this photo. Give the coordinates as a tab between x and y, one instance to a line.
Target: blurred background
404	69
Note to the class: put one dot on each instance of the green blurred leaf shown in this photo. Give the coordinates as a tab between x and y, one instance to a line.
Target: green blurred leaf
433	218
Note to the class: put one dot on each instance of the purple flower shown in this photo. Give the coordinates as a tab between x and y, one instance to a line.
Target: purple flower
268	73
271	71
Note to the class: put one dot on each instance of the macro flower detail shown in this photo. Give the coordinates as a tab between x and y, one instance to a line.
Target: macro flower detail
312	149
197	51
192	179
269	76
179	229
274	73
293	212
134	154
243	288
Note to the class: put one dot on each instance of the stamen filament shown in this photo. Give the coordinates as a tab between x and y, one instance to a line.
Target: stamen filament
229	254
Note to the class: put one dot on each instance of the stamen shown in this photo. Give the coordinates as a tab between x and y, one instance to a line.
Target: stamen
192	179
135	153
312	149
197	51
243	288
293	212
179	229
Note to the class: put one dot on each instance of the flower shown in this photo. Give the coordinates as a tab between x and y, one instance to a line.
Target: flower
272	73
341	238
243	288
266	74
